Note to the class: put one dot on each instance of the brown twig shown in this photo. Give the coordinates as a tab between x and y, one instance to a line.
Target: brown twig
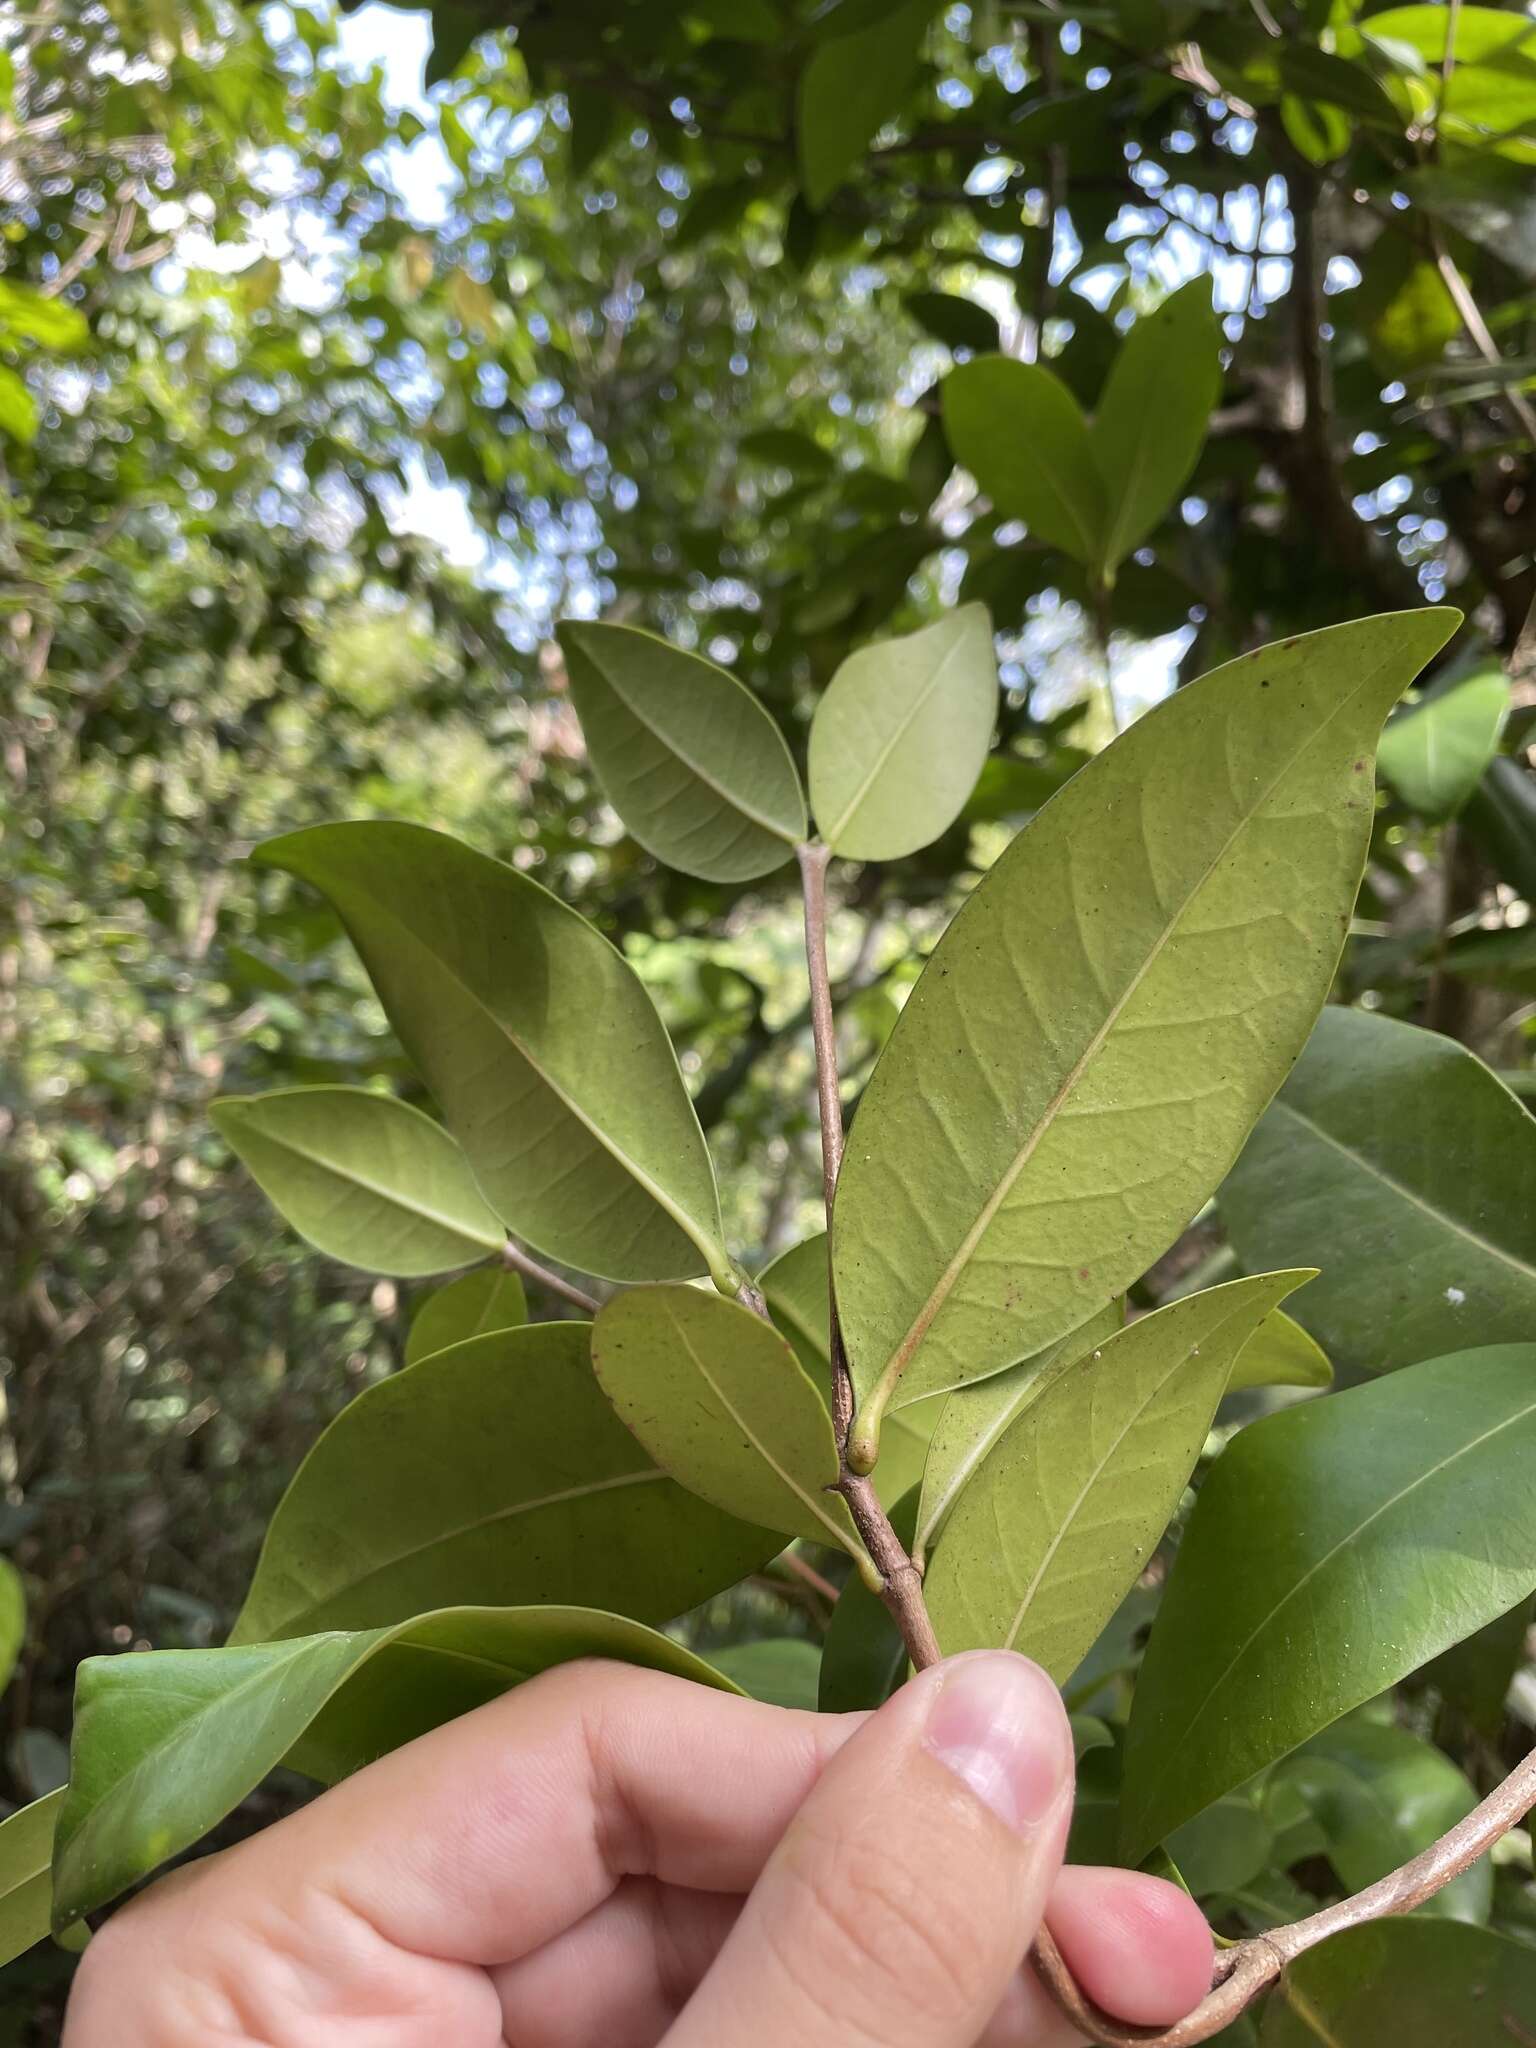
1248	1968
901	1581
516	1260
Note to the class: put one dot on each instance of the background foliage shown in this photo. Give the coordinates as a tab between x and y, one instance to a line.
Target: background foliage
642	309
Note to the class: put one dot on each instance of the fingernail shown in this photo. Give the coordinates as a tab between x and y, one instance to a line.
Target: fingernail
998	1723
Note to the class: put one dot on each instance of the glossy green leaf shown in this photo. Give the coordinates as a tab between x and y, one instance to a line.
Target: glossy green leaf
494	1473
1060	1516
795	1287
26	1887
478	1303
863	1657
1434	755
1412	1983
721	1402
1380	1795
167	1742
783	1670
364	1178
686	755
1020	432
851	86
1398	1163
900	735
1420	1527
539	1043
1095	1034
1280	1354
973	1418
1150	423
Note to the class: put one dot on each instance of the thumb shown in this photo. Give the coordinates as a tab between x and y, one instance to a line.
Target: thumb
906	1891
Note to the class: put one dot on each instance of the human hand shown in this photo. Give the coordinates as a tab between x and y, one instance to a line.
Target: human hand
612	1856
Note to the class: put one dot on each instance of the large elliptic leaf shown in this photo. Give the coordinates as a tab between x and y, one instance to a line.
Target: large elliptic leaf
494	1473
1434	755
472	1306
1151	419
1057	1520
722	1403
1020	432
1420	1527
1398	1163
687	756
1280	1354
539	1043
795	1288
1412	1983
900	736
26	1889
1380	1795
169	1741
1096	1033
363	1177
973	1418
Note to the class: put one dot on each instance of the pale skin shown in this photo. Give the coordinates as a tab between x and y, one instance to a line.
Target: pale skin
610	1856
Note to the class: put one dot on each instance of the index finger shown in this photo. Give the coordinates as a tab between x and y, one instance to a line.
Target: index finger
485	1839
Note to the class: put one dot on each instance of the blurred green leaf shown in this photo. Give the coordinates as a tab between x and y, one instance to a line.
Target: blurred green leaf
1019	431
1434	754
1416	1983
851	86
1151	419
26	1886
956	321
1381	1795
783	1670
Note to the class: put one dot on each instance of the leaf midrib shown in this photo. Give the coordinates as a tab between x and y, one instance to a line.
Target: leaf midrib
378	1566
898	734
896	1364
348	1175
785	1478
715	1251
1069	1519
1427	1208
726	796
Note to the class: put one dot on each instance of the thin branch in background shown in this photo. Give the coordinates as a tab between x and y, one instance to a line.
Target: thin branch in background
517	1261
